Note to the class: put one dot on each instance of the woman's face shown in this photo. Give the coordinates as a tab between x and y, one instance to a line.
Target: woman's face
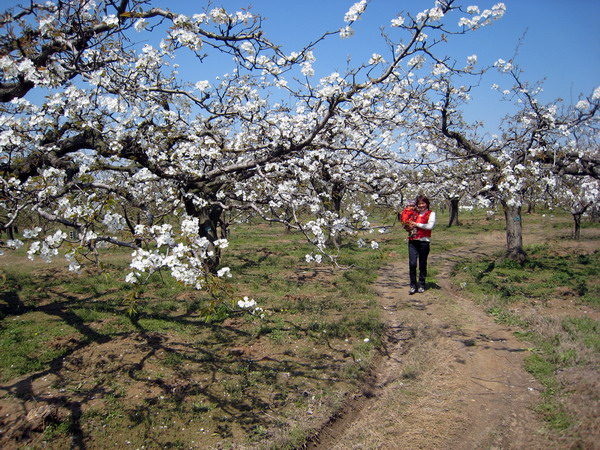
422	206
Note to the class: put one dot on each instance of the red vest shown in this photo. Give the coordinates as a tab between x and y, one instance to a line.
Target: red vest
421	233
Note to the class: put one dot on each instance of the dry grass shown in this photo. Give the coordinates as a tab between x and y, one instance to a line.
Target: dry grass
576	381
420	383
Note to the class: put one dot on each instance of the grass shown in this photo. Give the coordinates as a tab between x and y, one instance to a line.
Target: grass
182	369
544	275
572	344
22	344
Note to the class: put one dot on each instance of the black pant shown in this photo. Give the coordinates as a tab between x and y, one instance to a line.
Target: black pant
417	252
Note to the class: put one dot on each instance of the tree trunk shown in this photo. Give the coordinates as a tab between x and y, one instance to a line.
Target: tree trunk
209	222
514	233
10	231
577	229
530	207
577	213
337	194
453	204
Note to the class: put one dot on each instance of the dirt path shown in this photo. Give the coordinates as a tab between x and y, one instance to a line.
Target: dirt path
450	378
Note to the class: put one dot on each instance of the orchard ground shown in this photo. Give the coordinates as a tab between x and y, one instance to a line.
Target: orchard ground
490	355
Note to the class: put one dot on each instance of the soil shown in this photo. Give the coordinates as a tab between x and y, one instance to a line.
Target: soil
450	377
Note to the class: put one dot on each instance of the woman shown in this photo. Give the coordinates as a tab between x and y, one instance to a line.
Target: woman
418	244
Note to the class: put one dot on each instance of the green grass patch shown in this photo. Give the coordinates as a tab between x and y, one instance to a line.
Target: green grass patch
26	343
544	275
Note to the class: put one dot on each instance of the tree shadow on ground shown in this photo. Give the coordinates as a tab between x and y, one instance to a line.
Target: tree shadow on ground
237	385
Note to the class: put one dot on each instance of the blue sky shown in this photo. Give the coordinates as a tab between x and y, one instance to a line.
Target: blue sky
561	40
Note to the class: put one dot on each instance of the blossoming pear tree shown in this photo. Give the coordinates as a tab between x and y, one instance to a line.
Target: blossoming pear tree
103	142
577	195
536	143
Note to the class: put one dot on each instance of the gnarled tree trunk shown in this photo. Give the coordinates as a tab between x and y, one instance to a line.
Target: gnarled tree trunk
577	213
209	222
337	194
514	233
577	229
453	204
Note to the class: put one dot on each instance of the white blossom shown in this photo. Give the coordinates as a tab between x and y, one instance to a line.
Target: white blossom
355	11
202	85
111	20
346	32
221	243
140	24
74	265
14	243
376	59
219	15
436	14
416	61
113	222
398	21
307	69
132	277
31	233
189	226
246	303
224	272
440	69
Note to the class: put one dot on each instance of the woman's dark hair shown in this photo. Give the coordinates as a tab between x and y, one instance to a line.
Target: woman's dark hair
422	198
